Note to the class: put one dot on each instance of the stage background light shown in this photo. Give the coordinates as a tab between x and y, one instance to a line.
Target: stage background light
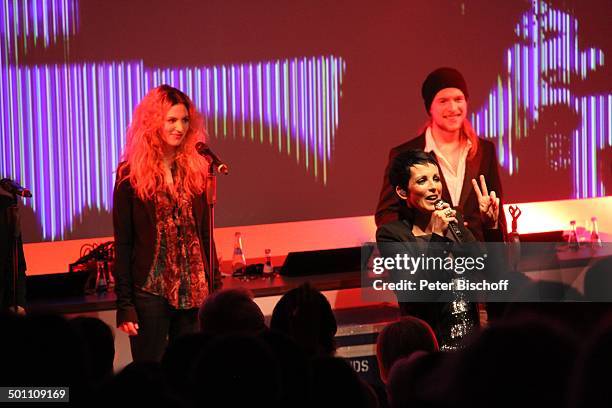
304	99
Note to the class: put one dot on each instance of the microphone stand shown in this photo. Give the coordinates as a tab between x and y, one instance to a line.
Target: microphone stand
214	164
12	213
211	199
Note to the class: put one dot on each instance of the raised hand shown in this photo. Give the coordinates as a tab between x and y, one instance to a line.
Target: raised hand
441	218
488	203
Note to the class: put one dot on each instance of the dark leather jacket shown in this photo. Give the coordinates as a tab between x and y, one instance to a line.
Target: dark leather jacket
135	232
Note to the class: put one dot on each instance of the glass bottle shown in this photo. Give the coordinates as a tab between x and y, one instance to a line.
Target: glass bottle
573	236
101	282
110	279
595	238
238	259
268	269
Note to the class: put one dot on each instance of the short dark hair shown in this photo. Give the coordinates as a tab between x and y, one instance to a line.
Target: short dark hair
399	173
231	311
402	338
306	316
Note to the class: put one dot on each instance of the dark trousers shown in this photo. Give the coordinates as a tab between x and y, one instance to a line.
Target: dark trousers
158	323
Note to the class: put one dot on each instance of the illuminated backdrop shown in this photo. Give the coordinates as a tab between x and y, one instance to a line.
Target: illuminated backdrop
540	71
63	123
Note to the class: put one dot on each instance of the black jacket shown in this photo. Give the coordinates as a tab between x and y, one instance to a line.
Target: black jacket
400	232
135	233
485	163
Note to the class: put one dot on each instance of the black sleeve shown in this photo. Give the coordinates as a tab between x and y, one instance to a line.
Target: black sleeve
388	203
391	244
124	243
493	235
494	184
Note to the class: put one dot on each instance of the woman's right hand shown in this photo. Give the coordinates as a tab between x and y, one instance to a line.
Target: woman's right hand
130	328
441	218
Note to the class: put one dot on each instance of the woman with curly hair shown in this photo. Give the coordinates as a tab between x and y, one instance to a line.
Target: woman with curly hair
160	221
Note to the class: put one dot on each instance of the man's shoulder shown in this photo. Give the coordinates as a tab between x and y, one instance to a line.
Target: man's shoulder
486	145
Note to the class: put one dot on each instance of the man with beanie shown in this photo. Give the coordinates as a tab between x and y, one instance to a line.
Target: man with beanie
461	154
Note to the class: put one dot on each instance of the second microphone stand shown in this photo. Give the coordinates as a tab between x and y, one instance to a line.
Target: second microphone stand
211	199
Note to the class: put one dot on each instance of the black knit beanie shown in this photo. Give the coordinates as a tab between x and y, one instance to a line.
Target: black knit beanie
439	79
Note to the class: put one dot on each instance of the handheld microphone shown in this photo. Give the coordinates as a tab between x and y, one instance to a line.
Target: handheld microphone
452	225
204	150
12	187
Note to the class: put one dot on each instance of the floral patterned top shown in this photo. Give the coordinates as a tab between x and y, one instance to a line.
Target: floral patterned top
178	272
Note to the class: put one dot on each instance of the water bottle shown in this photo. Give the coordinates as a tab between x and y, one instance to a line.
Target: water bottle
572	240
238	259
101	283
268	269
595	239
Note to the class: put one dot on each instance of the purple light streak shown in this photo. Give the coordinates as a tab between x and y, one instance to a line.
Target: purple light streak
539	75
77	114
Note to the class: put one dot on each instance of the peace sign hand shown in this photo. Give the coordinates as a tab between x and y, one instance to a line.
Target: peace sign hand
488	203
